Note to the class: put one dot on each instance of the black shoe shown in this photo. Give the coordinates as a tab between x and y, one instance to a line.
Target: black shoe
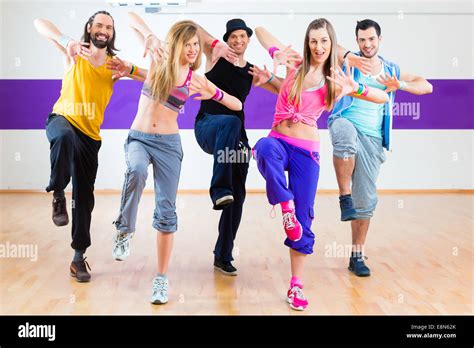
348	212
225	267
60	217
78	270
358	266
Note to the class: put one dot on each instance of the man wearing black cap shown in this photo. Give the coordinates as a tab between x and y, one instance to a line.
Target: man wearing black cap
221	132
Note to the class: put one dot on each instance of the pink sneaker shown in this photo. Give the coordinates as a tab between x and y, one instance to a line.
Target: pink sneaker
292	226
296	298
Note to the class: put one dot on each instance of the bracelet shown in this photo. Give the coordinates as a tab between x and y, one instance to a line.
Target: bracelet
345	54
403	85
214	43
366	91
272	51
64	40
362	90
134	70
271	78
216	95
219	95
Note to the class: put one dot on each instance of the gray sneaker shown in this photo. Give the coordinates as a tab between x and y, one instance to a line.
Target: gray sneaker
121	249
159	291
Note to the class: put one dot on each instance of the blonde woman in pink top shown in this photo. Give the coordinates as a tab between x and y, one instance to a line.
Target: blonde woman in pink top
313	83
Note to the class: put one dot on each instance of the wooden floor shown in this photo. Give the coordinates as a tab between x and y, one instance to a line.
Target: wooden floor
420	250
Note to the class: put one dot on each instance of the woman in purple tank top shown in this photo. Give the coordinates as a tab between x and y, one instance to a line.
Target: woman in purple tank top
313	83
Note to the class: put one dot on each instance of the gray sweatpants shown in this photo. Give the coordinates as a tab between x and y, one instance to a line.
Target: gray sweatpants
165	153
369	155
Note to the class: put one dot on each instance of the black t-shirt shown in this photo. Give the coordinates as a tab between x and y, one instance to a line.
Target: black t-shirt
233	80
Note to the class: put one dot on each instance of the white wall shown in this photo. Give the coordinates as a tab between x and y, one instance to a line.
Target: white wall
442	162
421	36
431	38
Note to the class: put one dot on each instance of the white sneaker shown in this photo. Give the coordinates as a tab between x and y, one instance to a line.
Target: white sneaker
121	249
225	200
159	291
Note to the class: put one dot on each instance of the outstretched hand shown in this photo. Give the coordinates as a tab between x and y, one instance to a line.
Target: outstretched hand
288	57
202	86
344	81
260	76
76	48
222	50
154	47
121	67
361	63
391	82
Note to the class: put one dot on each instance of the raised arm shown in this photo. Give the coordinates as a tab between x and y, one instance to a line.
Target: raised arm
267	40
67	46
206	41
408	82
51	32
137	23
281	54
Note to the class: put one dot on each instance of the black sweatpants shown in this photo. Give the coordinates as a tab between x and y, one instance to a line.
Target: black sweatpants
73	154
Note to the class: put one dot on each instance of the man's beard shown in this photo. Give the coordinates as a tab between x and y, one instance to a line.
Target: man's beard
99	43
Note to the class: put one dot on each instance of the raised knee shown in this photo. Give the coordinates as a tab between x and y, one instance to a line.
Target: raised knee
233	123
342	130
343	137
264	148
65	137
138	171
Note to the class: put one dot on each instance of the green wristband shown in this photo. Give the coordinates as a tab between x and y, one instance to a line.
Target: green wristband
270	79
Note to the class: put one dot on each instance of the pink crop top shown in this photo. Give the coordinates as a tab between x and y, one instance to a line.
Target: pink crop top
311	105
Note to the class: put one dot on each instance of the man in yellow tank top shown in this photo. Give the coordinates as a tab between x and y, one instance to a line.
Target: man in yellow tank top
73	128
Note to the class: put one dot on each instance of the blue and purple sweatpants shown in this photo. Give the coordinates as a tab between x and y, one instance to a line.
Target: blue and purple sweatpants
278	153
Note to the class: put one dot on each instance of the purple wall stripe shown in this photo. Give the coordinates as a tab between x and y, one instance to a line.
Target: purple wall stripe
26	104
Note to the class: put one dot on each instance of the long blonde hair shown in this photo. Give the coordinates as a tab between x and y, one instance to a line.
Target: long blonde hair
295	92
164	77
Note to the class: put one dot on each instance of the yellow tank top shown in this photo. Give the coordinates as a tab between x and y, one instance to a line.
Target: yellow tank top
85	93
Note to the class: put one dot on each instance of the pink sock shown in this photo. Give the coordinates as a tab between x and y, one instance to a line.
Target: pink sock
287	206
296	281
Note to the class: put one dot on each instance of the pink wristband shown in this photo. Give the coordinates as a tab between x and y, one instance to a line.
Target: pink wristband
366	91
218	96
272	50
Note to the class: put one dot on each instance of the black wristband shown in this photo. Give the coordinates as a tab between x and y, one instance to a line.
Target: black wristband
345	54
